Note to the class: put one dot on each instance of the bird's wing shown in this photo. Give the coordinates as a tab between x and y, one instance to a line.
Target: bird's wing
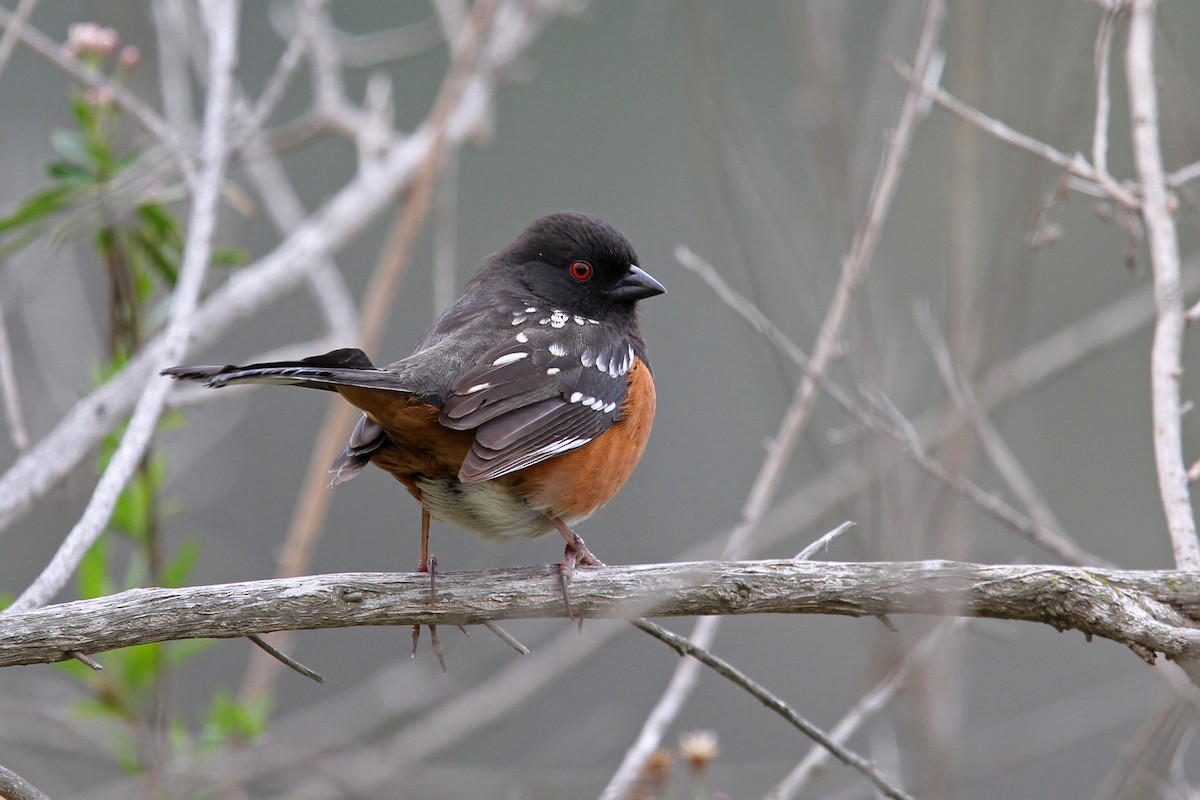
554	385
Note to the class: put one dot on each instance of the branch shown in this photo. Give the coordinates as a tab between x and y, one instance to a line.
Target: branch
14	787
1146	610
740	679
1166	355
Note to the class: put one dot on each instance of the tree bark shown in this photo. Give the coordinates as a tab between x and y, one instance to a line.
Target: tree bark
1150	612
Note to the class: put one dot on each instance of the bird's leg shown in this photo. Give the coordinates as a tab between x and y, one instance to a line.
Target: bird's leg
428	564
576	553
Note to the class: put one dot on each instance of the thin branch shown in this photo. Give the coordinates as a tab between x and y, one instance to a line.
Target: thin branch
13	30
222	19
1184	175
1103	47
824	541
1149	611
1045	527
671	701
395	44
740	679
10	396
1193	314
1076	165
272	93
285	659
895	427
1166	356
854	271
678	690
867	706
14	787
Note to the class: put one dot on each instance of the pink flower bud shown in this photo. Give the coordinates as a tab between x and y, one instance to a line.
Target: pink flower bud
130	56
90	39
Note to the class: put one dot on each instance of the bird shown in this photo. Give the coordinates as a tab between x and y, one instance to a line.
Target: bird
525	406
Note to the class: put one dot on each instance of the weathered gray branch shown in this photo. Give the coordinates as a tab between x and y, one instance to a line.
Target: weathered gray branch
1150	612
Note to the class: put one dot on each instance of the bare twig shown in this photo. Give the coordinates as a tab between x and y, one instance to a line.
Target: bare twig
740	679
666	710
14	787
677	691
1104	37
285	659
506	637
1193	314
13	30
86	660
1076	165
285	68
1166	357
10	396
1184	175
895	427
369	49
1045	527
867	706
222	18
854	271
824	541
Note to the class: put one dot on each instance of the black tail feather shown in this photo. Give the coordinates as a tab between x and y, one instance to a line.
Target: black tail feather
323	371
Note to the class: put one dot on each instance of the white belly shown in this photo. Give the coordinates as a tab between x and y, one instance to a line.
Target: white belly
484	508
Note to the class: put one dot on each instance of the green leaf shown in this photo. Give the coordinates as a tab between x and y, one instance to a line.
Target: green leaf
68	171
140	665
37	207
176	571
229	257
231	720
73	149
91	578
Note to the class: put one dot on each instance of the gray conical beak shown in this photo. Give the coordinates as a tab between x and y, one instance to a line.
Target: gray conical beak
637	285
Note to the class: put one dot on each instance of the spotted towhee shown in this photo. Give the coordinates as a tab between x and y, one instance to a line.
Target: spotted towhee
527	404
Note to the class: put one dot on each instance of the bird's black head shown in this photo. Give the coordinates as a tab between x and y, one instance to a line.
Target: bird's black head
578	263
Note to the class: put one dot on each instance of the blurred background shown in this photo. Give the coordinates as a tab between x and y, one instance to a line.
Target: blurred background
751	134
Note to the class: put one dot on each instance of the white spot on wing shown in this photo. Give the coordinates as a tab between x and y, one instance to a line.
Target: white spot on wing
557	349
479	387
588	358
522	337
562	446
576	397
518	319
531	310
602	361
553	371
509	358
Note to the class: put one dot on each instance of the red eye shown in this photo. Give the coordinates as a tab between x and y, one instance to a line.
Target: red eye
581	270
